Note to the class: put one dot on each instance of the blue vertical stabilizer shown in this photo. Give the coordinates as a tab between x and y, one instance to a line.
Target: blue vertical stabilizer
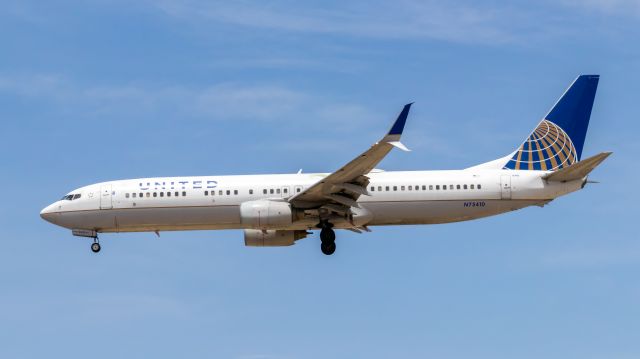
558	140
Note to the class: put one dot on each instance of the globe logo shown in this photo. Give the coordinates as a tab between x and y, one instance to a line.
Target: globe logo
548	148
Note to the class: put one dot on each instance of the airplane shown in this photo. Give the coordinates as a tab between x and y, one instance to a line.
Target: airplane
280	209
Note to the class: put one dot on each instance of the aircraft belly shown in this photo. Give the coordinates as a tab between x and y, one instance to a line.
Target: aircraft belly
444	211
161	219
228	217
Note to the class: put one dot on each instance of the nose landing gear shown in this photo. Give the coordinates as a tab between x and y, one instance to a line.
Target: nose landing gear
95	246
88	233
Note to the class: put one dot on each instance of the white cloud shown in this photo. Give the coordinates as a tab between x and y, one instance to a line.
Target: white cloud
257	102
608	7
220	101
453	21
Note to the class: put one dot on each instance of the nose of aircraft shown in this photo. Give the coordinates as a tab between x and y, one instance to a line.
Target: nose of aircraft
48	213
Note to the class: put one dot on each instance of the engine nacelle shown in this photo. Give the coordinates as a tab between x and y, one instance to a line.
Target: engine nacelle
265	214
260	238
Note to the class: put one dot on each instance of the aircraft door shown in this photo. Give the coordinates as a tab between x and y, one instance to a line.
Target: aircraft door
505	187
106	197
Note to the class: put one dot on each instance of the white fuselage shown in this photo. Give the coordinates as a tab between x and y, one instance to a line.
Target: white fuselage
213	202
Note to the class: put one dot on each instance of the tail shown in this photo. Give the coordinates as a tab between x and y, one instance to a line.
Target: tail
558	140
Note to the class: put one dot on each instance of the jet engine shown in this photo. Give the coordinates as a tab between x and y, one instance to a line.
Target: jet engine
265	214
260	238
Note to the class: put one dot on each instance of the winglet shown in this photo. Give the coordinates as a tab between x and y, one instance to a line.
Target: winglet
398	126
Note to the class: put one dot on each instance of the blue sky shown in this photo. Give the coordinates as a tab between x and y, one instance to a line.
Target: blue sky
99	90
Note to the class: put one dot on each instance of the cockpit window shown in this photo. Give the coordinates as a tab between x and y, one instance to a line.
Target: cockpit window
70	197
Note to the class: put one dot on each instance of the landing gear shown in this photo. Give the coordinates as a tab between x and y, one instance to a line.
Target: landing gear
327	235
327	238
95	246
328	247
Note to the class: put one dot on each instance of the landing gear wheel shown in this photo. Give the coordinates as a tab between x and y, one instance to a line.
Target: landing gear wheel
95	247
327	235
328	248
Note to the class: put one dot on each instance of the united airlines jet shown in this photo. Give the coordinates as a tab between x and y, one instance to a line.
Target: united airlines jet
279	209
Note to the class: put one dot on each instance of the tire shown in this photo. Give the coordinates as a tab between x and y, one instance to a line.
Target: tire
95	247
328	248
327	235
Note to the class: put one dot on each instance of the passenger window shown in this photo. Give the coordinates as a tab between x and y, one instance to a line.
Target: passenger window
444	187
479	187
264	191
140	195
379	188
168	194
206	193
126	195
285	190
278	191
271	191
458	187
235	191
298	189
465	187
424	188
184	193
373	189
437	187
395	188
148	194
410	187
387	188
250	191
430	187
220	192
177	194
402	188
161	194
228	192
450	186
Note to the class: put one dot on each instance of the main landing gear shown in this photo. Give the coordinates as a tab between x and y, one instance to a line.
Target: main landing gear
327	238
95	246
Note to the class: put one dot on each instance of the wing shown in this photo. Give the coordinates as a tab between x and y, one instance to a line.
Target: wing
340	190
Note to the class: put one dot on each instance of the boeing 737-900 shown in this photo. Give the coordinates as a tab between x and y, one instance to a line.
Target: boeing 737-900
279	209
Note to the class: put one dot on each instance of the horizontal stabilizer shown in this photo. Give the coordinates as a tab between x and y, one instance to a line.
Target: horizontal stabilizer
577	170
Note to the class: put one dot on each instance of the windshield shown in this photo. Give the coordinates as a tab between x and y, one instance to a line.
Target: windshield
71	197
